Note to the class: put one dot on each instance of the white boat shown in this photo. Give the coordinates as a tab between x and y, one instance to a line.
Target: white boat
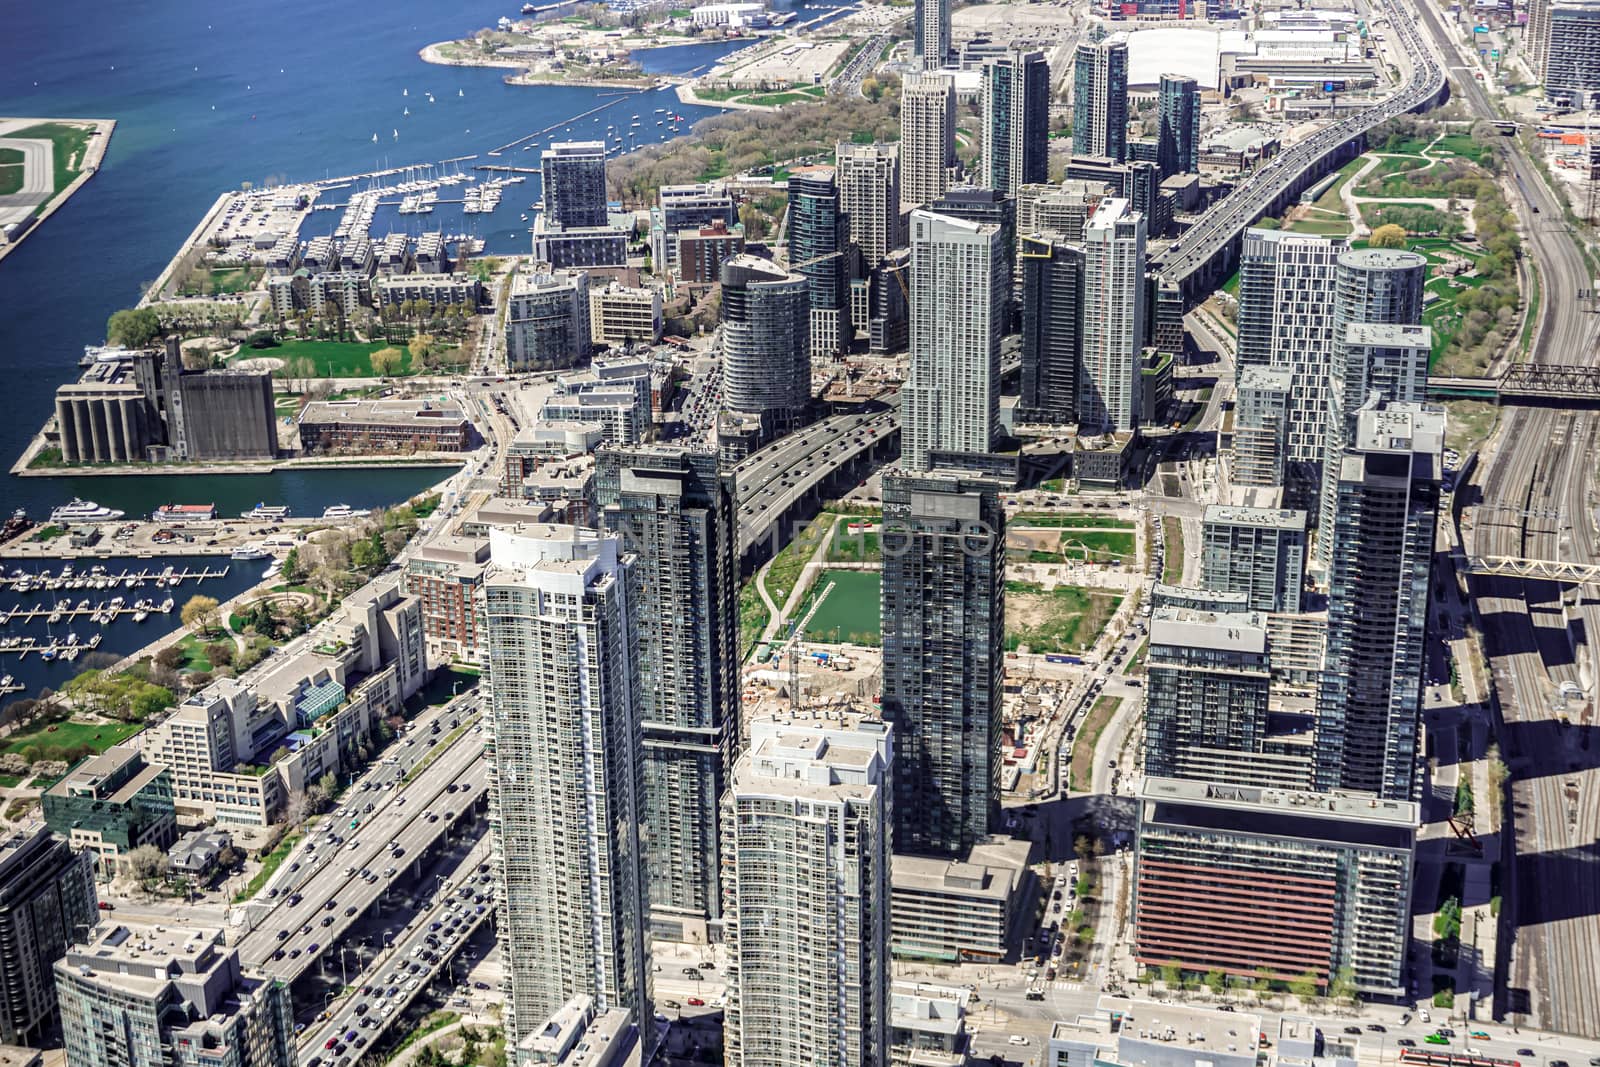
345	511
272	569
94	642
250	552
263	511
166	606
84	511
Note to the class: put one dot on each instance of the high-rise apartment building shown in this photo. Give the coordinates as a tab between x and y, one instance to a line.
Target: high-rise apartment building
1260	426
766	341
547	321
1569	50
565	699
927	137
819	249
676	511
47	900
574	183
1058	209
1052	339
943	655
959	286
1245	880
152	996
1178	111
1286	319
1113	317
1100	98
1260	552
1016	120
807	886
1386	509
930	37
868	176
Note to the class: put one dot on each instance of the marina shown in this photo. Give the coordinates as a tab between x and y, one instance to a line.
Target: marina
20	581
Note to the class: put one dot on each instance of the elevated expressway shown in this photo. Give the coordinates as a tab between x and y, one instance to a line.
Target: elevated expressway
1533	501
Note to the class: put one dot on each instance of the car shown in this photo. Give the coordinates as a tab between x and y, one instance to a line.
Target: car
283	935
278	954
1406	1042
306	929
1526	1052
1016	1039
294	954
330	904
295	899
398	852
351	910
1377	1028
1437	1039
327	920
1356	1030
696	1002
332	1041
480	985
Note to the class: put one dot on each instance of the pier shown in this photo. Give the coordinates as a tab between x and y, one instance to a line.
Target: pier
564	123
128	579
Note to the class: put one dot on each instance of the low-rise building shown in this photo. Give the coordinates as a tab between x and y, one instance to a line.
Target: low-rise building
47	898
1151	1034
369	426
153	996
579	247
444	574
111	804
703	250
435	290
621	315
581	1035
927	1025
197	851
966	909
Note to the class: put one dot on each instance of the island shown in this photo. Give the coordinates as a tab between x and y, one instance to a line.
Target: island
42	163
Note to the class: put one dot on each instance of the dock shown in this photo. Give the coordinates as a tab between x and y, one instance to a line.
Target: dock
128	579
102	613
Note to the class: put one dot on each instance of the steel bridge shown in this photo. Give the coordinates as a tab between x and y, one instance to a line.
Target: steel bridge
1540	570
1524	382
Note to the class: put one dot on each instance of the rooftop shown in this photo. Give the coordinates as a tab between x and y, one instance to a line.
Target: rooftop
1351	806
1275	518
381	412
1243	632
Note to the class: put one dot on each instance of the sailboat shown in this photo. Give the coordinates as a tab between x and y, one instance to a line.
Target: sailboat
461	92
405	92
408	111
374	138
396	135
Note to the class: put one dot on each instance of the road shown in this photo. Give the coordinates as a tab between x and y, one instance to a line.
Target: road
1537	502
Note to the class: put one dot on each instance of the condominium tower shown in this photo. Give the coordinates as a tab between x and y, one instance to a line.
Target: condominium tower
1052	321
47	900
1100	98
868	176
766	341
675	511
943	611
566	704
1260	552
807	884
1369	706
930	38
819	248
1261	426
959	286
927	137
1016	120
574	183
1113	317
1178	111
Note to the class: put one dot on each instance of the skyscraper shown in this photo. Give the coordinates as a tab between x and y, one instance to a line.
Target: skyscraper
930	39
676	511
574	183
807	888
47	900
958	293
766	341
1260	552
943	655
1113	317
868	176
1286	313
1261	426
1052	338
1387	510
565	701
1100	98
819	248
927	137
1016	120
1178	110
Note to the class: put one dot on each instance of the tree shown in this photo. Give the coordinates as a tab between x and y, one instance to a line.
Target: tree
1388	235
1216	981
385	361
293	570
317	800
220	653
133	327
147	863
171	658
200	613
421	348
1343	986
297	808
1447	920
1306	987
1172	974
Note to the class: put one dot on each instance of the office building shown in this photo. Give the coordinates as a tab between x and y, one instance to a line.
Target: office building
548	321
1251	881
1052	322
943	607
1113	318
623	315
819	249
565	707
1387	504
1016	120
766	342
1286	320
967	909
1565	39
1260	552
1261	426
676	511
959	286
110	804
930	37
152	996
807	890
362	427
927	137
1100	98
47	900
1178	111
574	183
868	177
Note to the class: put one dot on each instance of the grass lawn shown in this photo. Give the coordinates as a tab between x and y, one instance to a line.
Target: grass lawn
1321	226
1470	423
446	684
194	654
1064	619
853	546
9	781
1081	769
1075	520
10	171
753	618
785	569
70	142
100	736
269	864
1172	573
850	612
332	359
1332	198
807	94
1094	546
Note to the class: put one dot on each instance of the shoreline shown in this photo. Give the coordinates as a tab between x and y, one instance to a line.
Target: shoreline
263	467
93	155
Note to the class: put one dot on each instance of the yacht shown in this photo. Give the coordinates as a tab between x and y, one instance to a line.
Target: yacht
166	606
266	513
250	552
84	511
345	511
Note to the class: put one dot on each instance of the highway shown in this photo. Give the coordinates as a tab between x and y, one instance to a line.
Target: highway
1255	195
1537	502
